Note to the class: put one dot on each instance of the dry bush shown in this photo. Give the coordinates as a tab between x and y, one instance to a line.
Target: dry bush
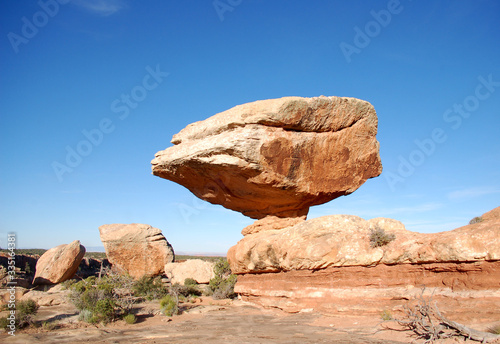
424	319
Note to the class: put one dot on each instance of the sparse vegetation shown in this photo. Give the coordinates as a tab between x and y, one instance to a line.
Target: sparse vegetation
190	281
25	314
424	318
130	319
386	315
222	285
169	305
477	219
151	288
379	237
104	299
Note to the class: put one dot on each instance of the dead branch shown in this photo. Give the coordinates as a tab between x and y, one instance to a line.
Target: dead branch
427	322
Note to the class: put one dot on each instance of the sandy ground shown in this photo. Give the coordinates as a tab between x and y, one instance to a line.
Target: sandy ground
211	321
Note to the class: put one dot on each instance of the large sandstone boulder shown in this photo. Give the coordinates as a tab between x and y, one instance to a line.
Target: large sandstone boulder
275	158
59	264
344	240
199	270
137	249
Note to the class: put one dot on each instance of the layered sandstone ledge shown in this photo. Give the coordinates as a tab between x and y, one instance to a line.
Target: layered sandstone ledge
328	265
468	289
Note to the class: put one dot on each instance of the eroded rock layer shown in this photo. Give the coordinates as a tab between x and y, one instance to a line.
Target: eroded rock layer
468	288
276	157
346	240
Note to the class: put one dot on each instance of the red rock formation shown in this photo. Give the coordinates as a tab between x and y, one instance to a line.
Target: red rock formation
468	288
59	264
276	157
327	264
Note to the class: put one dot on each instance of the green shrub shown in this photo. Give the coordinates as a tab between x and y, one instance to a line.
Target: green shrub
169	305
190	281
386	315
378	237
222	285
25	313
130	319
150	288
477	219
185	290
87	316
101	300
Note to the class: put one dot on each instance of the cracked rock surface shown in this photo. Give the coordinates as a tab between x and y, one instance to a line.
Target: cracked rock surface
273	159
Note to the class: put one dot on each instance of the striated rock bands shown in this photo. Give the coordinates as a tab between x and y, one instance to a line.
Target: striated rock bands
137	249
276	157
59	264
460	289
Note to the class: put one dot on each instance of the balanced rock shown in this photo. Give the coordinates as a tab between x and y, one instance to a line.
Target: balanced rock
138	249
59	264
199	270
344	240
275	158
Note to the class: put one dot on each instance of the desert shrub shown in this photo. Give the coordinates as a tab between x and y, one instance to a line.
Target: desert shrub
48	326
222	285
185	290
150	288
104	298
190	281
87	316
386	315
68	283
477	219
378	237
25	314
169	305
27	268
130	319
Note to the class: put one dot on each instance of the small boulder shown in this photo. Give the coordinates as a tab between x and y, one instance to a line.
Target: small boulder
59	264
199	270
138	249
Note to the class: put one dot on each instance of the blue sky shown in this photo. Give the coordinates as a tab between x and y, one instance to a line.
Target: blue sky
115	79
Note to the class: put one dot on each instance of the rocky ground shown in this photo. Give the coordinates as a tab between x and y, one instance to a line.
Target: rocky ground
215	321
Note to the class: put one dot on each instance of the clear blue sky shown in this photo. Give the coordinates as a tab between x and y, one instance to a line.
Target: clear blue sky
431	70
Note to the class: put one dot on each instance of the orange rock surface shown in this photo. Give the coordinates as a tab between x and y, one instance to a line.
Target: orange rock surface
276	157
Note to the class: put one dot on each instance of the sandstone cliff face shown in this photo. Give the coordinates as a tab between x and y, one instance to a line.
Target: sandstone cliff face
276	157
59	264
137	249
